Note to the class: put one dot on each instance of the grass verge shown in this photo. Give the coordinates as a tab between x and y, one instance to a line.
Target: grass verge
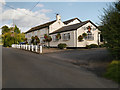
113	71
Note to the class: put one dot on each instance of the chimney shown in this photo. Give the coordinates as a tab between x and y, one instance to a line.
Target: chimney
58	17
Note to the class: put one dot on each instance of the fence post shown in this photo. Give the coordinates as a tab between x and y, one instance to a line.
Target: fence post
29	47
40	49
32	47
36	48
26	46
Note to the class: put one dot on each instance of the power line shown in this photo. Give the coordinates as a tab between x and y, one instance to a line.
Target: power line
34	6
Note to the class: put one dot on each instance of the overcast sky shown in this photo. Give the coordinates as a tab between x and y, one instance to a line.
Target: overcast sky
29	14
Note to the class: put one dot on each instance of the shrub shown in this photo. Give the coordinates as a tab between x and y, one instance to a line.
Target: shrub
62	45
88	47
102	45
113	71
92	46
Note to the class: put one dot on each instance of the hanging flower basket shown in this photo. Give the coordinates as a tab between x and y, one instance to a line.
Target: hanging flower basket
84	35
80	38
47	38
89	28
58	36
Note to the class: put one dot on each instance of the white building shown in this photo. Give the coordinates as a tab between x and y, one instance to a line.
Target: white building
69	31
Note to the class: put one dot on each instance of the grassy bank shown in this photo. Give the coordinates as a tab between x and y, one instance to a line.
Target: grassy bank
113	71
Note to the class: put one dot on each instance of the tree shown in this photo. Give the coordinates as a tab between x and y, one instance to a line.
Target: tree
11	36
110	28
5	29
16	30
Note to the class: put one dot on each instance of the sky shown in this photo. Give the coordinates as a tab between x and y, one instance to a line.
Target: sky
29	14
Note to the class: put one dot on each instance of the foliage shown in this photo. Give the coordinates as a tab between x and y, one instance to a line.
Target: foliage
110	28
62	45
84	35
47	38
80	38
35	40
16	30
92	46
25	40
102	45
113	71
5	29
10	37
58	36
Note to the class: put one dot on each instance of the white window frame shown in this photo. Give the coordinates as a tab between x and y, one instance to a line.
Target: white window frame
90	36
66	36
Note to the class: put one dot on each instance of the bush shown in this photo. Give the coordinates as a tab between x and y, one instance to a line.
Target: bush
92	46
113	71
102	45
62	45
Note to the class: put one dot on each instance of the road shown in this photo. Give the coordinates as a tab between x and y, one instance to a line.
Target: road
23	69
83	55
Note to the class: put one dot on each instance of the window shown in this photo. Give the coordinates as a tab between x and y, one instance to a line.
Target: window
66	36
42	40
54	38
90	36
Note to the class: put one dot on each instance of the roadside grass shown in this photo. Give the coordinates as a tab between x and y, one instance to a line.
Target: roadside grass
113	71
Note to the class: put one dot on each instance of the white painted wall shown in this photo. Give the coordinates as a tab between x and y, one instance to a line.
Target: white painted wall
70	43
81	30
74	22
56	25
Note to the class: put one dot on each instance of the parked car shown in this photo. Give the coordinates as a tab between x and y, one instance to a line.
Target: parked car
22	43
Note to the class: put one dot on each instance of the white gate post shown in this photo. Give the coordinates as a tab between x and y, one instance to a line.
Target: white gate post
36	48
32	47
26	46
29	47
40	49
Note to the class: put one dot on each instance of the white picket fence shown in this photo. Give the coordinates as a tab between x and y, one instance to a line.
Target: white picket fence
33	48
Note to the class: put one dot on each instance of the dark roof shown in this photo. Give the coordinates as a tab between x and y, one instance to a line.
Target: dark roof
68	21
71	27
40	26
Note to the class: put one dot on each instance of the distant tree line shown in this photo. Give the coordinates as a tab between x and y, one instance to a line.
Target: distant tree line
11	35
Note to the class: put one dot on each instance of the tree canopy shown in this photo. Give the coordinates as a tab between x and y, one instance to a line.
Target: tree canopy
110	28
11	35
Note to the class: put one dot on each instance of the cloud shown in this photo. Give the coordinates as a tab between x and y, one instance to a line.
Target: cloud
24	18
45	10
2	1
40	5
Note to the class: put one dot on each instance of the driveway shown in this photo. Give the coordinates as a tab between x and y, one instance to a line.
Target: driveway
23	69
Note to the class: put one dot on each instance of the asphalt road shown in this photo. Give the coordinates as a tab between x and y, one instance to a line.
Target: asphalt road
83	55
23	69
